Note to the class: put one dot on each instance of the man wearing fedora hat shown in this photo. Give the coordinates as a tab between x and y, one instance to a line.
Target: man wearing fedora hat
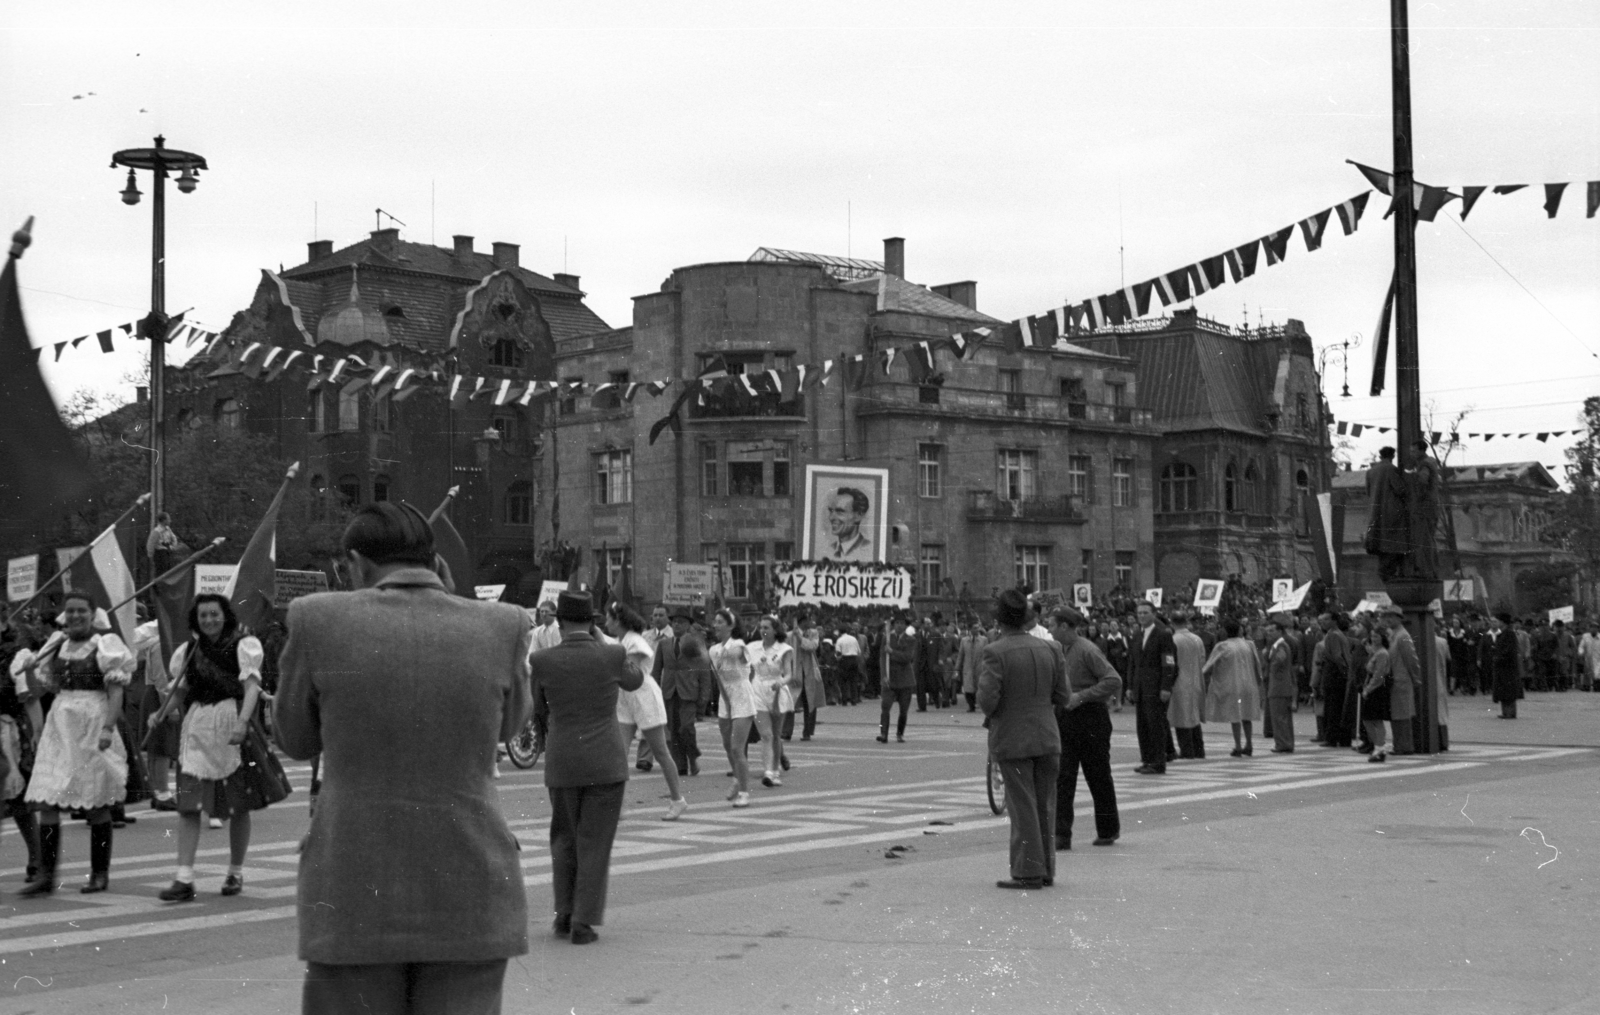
575	687
683	670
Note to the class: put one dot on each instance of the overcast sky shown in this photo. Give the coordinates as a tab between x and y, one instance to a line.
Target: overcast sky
1047	150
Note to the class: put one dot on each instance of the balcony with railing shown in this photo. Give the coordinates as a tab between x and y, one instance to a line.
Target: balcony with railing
889	397
988	506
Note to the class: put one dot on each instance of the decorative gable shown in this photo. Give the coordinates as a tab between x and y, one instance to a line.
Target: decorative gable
502	313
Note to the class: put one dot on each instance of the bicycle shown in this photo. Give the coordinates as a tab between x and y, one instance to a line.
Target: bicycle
995	782
525	748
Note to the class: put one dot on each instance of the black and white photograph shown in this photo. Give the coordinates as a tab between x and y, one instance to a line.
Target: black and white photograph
856	507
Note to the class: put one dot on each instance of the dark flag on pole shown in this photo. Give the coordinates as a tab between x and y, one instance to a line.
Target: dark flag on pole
1380	347
40	467
254	587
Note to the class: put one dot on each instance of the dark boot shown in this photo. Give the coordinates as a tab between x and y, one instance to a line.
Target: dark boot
49	851
28	825
99	858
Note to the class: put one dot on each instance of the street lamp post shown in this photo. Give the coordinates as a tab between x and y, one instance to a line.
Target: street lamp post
158	160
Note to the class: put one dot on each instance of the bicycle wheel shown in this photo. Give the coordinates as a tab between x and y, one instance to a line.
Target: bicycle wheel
524	748
996	786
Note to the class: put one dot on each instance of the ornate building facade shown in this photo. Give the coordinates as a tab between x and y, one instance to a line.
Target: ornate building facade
408	306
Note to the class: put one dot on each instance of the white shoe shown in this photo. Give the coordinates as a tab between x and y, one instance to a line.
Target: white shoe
675	809
742	800
215	823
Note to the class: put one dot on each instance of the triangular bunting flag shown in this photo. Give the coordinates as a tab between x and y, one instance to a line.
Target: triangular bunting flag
60	348
104	338
1163	289
1469	197
1552	198
1542	437
1594	198
1091	317
1141	297
1211	268
1433	198
1350	211
1312	228
1343	427
1277	244
1508	188
1178	283
1355	429
1042	330
1377	177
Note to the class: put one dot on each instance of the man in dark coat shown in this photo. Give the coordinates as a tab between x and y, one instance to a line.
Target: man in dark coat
1152	670
1497	664
1334	680
1389	521
410	890
901	680
575	687
1281	685
683	670
1022	681
1085	725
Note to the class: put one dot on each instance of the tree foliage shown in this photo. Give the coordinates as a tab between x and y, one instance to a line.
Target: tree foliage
1575	515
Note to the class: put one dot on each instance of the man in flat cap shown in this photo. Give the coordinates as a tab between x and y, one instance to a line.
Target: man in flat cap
575	687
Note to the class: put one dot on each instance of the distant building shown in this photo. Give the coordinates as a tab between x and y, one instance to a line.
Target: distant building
1003	467
1499	512
384	300
1243	447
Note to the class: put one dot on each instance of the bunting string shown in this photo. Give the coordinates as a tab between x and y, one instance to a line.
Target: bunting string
1344	427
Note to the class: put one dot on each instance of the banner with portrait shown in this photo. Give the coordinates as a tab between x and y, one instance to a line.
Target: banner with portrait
847	513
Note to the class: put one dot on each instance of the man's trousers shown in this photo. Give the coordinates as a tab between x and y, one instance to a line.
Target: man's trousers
1031	805
1086	743
681	713
1150	715
583	823
890	696
849	680
1282	712
404	988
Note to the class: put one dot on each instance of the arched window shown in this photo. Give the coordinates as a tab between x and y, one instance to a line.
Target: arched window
350	490
1180	488
519	503
1252	487
316	411
1230	489
227	413
380	488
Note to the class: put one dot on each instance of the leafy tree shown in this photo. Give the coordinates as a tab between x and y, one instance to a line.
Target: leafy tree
1575	515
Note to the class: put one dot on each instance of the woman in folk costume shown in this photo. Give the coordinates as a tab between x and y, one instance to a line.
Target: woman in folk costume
221	685
80	762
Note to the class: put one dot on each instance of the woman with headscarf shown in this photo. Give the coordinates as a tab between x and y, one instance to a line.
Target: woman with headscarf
80	762
1233	681
644	709
221	685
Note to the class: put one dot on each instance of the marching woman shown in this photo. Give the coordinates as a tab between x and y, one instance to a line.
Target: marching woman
221	674
771	673
80	762
736	702
644	710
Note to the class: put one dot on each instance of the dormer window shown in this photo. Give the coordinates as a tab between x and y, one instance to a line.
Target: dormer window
506	353
395	311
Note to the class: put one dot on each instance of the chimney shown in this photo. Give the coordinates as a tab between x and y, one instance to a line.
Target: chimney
894	256
463	252
964	293
570	281
316	250
505	255
383	240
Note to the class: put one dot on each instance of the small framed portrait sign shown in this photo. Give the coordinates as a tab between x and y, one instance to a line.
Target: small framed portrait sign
847	513
1208	593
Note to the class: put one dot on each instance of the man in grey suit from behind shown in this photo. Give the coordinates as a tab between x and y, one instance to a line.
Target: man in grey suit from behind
410	894
575	687
1022	680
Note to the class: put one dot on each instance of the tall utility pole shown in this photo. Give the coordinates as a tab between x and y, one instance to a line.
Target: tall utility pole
158	160
1416	592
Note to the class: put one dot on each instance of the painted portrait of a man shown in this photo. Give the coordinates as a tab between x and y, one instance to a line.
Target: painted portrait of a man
846	513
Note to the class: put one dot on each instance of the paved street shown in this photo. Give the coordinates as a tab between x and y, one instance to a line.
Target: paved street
1275	883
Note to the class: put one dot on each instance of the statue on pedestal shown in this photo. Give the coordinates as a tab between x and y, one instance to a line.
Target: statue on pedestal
1389	529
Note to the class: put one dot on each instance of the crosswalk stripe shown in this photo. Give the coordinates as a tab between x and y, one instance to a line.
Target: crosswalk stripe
120	932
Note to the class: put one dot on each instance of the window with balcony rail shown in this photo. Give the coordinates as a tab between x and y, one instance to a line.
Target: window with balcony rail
1018	471
735	399
1076	397
1180	488
1011	387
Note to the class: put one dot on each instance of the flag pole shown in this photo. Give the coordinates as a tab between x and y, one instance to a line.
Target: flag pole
143	499
170	572
449	496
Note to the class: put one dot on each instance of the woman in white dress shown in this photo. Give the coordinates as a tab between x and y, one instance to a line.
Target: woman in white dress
221	675
1233	681
80	762
771	672
736	703
644	710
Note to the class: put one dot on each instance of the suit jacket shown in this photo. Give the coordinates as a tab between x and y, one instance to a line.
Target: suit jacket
406	691
1021	682
575	689
903	661
1152	662
683	668
1281	681
1497	657
1407	675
